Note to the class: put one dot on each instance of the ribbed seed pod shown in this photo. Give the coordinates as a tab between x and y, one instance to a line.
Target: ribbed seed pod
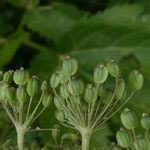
46	99
63	78
129	119
3	86
136	80
120	89
89	93
54	81
75	86
8	76
100	74
57	103
60	116
69	66
123	139
145	121
140	143
64	91
21	76
21	94
113	68
10	96
32	86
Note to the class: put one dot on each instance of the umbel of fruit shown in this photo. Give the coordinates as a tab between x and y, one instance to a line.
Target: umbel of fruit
18	90
86	107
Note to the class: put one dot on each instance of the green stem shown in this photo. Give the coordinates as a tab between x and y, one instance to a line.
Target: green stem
86	136
134	136
20	139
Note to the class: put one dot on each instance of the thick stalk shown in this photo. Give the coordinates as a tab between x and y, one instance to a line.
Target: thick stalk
20	139
86	136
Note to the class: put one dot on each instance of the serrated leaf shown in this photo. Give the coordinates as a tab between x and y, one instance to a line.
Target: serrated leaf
48	22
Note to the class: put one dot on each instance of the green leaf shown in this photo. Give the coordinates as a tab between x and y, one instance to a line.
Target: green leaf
48	22
44	64
9	47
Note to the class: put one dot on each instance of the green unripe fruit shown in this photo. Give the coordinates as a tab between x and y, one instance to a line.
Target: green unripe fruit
32	86
145	121
89	93
136	80
57	103
75	86
63	78
60	116
100	74
54	81
113	68
10	96
21	76
140	143
69	66
21	94
64	92
3	86
120	88
46	99
123	139
129	119
7	76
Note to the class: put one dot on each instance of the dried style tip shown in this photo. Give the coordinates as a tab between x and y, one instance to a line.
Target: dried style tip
69	66
21	76
44	86
129	119
100	74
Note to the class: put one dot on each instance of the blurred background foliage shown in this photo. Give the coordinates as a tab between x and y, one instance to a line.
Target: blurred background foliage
38	34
